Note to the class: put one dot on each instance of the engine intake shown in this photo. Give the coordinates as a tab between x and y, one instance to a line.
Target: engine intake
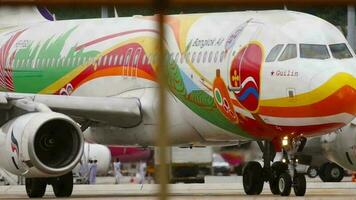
40	144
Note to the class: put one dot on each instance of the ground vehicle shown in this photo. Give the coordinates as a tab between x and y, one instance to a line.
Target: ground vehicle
188	165
220	166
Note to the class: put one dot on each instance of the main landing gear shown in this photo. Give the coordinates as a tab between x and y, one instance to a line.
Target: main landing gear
282	176
62	186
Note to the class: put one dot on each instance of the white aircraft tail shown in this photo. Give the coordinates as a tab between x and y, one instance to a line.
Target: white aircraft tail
12	16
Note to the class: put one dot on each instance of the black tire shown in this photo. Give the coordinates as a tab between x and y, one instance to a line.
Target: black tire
284	184
312	172
299	185
35	187
63	185
273	185
334	173
252	178
277	169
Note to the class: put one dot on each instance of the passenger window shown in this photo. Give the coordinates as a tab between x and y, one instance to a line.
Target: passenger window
205	56
272	56
99	61
289	52
63	62
40	63
171	58
182	58
128	57
121	60
314	51
46	62
53	62
177	58
199	57
49	62
58	62
144	59
210	56
110	61
74	62
216	57
79	61
340	51
115	60
222	56
187	56
20	63
105	59
193	57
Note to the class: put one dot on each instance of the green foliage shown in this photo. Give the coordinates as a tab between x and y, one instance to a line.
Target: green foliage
335	15
75	12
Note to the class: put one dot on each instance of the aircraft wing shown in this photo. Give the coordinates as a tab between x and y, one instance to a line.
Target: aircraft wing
115	111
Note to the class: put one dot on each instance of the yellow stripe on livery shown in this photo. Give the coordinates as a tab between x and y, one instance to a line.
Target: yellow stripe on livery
317	95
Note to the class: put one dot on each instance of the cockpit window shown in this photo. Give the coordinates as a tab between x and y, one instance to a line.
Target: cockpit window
340	51
274	53
289	52
314	51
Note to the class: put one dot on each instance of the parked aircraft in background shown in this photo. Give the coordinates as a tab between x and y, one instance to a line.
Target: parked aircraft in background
273	76
100	153
130	154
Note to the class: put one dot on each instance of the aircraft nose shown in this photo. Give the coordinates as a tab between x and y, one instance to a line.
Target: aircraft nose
335	92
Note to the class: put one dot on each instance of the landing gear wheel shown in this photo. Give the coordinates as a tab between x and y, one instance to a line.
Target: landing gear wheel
312	172
273	185
253	178
334	172
35	187
284	184
63	185
331	172
276	169
299	185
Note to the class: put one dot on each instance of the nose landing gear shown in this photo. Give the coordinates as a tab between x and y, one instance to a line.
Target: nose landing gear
282	176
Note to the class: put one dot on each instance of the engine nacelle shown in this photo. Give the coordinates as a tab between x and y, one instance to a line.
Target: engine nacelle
340	147
41	144
98	152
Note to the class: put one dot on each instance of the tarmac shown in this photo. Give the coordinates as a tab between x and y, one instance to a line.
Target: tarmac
215	188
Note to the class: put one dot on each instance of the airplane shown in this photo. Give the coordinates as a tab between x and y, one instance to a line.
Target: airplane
276	77
130	154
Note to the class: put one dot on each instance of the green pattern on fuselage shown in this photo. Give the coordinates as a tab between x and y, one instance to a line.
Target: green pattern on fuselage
42	64
200	102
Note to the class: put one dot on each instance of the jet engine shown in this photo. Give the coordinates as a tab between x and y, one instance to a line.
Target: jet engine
340	146
40	144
